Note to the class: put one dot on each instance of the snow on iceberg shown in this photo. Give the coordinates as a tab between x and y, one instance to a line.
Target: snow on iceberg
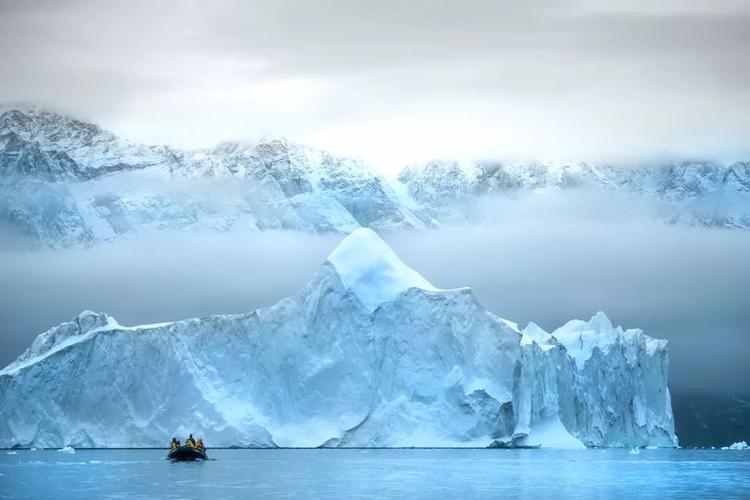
367	354
372	271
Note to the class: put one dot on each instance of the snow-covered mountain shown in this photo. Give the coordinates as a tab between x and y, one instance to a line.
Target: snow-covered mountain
49	146
694	192
369	353
64	182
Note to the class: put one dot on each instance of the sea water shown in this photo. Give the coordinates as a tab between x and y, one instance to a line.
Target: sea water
377	473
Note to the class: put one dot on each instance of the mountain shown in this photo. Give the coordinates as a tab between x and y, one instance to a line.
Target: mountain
65	182
706	420
700	193
368	353
42	144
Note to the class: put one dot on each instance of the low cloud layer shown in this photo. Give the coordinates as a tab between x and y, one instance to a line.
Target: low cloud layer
688	285
534	260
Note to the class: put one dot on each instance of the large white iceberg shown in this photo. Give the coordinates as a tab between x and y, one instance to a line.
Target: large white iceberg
367	354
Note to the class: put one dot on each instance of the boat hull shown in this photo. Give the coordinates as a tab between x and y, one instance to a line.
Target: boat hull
186	453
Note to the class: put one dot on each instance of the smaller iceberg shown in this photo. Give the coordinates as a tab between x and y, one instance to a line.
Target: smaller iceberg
739	445
67	449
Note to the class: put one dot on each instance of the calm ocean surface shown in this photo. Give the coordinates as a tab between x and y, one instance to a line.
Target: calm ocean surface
413	473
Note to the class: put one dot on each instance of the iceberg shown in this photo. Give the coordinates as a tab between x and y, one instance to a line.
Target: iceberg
367	354
739	445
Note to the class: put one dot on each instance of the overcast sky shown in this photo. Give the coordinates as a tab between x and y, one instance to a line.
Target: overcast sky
395	82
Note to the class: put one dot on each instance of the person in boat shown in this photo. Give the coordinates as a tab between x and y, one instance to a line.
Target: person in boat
174	444
190	442
200	446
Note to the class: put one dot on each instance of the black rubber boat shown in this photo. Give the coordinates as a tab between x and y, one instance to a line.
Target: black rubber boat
184	453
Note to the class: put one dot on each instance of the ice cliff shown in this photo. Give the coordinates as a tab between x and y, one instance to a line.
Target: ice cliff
369	353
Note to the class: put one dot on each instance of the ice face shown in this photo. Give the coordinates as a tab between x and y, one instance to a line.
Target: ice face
608	386
367	354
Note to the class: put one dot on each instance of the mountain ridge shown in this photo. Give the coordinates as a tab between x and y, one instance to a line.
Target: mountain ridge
66	183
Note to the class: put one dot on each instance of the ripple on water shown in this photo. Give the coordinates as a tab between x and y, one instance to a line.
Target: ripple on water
379	474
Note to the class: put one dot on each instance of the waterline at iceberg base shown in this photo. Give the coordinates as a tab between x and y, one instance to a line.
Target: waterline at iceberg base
367	354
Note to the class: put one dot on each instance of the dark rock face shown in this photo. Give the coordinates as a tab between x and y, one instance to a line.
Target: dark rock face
706	420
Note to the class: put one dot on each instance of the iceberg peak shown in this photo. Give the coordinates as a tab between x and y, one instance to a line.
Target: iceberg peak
580	338
89	320
600	322
534	333
370	269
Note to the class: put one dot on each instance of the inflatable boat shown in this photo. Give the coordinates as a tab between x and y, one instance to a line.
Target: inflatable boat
187	453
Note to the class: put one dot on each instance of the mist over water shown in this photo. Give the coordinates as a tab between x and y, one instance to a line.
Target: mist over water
542	260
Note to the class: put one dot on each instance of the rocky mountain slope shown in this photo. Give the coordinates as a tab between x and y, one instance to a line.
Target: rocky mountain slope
711	420
701	193
368	354
64	182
